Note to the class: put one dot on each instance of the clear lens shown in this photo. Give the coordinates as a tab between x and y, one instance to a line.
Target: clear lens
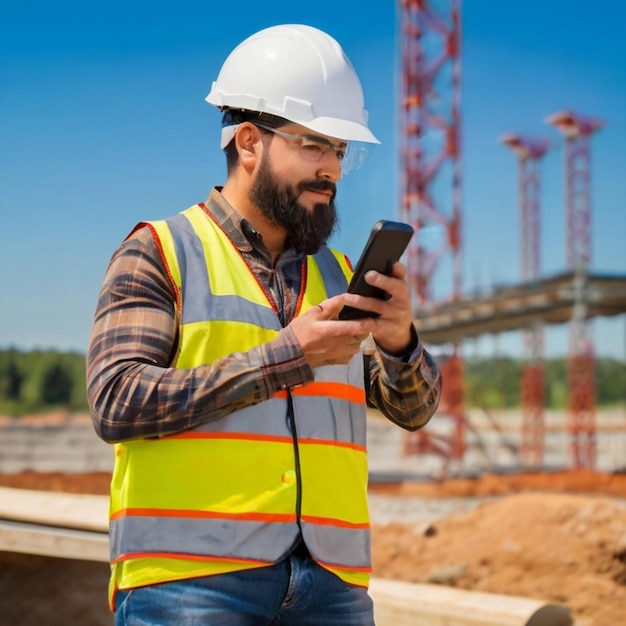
313	150
356	155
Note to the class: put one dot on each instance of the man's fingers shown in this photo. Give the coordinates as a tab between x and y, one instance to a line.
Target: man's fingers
329	308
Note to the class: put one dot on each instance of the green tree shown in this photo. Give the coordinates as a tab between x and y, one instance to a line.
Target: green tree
50	379
11	377
56	385
611	382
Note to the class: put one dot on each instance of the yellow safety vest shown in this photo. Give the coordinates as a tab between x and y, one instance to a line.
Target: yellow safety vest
237	492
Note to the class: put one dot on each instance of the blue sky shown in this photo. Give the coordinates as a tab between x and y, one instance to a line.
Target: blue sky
103	124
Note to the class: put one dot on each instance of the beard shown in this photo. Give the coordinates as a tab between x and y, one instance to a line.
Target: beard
307	230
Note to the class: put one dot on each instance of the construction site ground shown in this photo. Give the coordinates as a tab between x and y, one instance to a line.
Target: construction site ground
557	536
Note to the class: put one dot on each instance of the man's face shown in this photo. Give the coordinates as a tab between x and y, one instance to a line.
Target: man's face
306	210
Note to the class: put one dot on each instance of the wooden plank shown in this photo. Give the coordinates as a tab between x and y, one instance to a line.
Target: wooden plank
87	512
408	604
63	543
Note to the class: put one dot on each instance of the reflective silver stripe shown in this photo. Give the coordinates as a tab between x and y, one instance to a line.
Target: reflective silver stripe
326	419
265	418
255	541
334	279
219	538
199	303
227	308
346	422
351	373
343	421
350	544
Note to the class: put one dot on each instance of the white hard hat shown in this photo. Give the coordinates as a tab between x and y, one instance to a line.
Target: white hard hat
298	73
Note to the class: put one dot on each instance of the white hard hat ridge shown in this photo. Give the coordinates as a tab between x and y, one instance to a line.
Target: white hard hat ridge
298	73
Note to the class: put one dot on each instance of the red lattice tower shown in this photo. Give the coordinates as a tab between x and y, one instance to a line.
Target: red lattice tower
577	130
431	72
529	152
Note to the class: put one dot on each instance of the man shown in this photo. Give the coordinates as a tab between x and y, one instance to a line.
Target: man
235	396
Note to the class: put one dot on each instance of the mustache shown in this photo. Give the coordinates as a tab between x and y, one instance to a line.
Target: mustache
321	185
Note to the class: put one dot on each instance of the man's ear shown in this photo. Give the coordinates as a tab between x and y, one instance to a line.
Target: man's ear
249	144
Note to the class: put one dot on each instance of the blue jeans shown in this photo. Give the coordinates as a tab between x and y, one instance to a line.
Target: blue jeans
294	592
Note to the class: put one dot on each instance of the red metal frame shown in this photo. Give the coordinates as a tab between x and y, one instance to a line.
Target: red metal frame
577	130
529	151
431	137
431	71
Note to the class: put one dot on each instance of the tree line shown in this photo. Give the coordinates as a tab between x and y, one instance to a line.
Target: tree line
495	382
39	381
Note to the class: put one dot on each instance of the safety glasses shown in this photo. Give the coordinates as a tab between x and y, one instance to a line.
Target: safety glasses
350	155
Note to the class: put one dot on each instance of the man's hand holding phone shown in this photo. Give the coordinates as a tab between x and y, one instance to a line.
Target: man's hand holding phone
379	287
378	302
393	319
386	244
324	339
327	340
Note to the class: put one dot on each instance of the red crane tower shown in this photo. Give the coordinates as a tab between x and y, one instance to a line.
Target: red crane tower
577	130
529	151
431	72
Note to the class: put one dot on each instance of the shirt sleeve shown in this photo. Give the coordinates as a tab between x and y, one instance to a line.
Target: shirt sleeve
406	391
133	390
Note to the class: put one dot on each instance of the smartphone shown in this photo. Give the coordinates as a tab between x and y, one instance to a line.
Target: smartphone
386	244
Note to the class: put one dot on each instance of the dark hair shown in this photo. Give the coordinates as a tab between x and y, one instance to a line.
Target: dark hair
238	116
232	156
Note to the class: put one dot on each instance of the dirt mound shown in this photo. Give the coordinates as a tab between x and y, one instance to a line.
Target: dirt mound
561	548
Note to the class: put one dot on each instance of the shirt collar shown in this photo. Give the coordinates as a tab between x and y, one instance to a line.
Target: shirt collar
239	230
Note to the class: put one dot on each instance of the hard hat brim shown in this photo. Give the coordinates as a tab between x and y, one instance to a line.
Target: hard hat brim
340	129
